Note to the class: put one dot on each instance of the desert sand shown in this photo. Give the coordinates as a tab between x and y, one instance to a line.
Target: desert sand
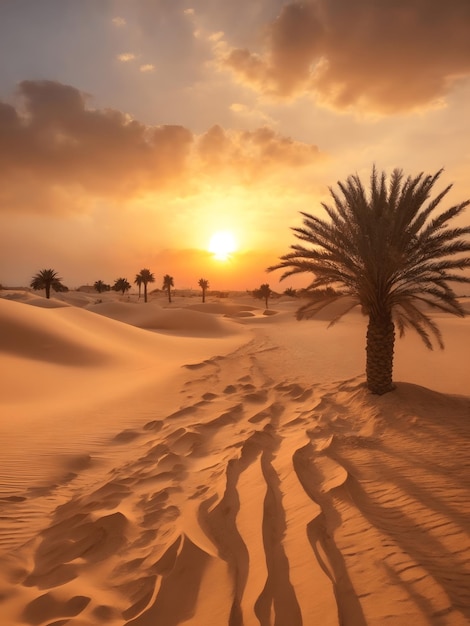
213	464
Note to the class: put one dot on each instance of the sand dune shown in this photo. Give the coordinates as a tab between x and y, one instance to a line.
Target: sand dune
190	465
188	321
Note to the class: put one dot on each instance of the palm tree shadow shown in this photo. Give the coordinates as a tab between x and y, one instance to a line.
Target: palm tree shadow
413	486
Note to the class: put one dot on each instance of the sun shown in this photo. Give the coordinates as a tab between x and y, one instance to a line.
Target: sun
222	244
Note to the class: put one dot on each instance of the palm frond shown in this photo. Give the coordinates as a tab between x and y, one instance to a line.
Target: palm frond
319	302
411	316
388	246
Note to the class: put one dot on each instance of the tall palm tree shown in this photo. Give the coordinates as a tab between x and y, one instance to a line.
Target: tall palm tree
389	252
146	277
204	285
45	279
168	284
138	282
121	284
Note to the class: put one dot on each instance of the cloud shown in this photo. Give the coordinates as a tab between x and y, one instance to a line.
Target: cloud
228	157
57	153
252	154
237	107
125	57
147	67
244	111
119	22
384	57
53	141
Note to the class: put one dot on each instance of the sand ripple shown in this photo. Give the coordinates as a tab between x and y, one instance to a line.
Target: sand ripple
259	504
256	497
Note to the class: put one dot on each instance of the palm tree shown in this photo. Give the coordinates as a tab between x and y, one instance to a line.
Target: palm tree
138	282
45	279
146	277
263	292
121	284
168	284
291	292
204	285
389	252
100	286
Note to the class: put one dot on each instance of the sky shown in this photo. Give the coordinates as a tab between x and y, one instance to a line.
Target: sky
131	131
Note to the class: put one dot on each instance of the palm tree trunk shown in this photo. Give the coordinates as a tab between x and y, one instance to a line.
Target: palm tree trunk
48	290
169	294
145	292
379	354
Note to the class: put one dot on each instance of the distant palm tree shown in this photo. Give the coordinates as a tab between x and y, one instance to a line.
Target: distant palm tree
100	286
204	285
168	284
45	279
121	284
146	277
264	292
388	252
290	291
138	282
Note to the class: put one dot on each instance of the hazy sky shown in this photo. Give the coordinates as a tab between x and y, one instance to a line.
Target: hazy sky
132	130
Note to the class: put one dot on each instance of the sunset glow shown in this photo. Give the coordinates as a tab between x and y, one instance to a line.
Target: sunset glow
154	124
222	244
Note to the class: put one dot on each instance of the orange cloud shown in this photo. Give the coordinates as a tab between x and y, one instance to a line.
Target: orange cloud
53	140
55	152
252	154
383	57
